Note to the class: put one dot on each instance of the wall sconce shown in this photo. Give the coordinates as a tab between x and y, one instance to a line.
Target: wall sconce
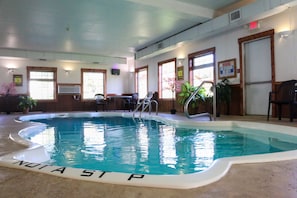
180	61
284	34
11	70
67	72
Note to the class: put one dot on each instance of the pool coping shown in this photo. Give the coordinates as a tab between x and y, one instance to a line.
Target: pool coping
218	169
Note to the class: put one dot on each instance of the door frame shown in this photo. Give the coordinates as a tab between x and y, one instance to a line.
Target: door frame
241	41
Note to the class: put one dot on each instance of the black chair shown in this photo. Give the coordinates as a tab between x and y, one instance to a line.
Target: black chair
100	101
130	104
285	95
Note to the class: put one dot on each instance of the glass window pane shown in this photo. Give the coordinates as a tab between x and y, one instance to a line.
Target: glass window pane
203	74
203	60
142	83
167	80
93	83
41	75
42	84
203	71
41	90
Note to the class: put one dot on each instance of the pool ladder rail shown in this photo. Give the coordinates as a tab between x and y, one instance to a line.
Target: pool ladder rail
146	103
186	105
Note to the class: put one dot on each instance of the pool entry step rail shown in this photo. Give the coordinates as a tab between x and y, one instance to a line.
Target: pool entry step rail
186	105
146	103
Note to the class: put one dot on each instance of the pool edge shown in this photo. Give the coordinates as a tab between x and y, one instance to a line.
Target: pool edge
187	181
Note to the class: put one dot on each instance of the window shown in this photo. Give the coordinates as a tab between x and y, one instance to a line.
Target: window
93	82
167	79
202	68
42	82
141	82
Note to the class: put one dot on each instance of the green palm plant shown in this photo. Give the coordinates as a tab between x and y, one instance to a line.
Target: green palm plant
187	90
26	103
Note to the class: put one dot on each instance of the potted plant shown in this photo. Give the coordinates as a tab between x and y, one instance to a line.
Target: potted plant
26	103
186	91
223	90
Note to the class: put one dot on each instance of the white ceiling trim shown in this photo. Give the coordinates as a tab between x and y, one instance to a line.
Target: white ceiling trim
56	56
255	11
180	7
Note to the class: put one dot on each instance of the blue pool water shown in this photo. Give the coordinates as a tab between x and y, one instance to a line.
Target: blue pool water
119	144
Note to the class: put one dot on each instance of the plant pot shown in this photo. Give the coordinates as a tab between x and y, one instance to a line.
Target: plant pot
26	111
173	111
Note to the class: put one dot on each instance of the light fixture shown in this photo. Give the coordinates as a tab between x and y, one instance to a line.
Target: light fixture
131	69
284	34
11	70
287	28
180	61
67	72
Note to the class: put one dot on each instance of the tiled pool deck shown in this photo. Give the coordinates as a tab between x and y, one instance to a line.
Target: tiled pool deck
273	179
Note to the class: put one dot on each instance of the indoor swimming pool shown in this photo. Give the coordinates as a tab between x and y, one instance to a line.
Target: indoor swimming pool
153	151
145	146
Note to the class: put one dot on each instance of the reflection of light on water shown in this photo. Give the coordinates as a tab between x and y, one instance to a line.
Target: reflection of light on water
204	149
94	140
148	147
128	155
143	142
174	149
167	146
46	138
138	152
70	155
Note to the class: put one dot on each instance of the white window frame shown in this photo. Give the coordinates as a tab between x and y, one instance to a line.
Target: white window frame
167	78
141	82
96	89
43	90
200	66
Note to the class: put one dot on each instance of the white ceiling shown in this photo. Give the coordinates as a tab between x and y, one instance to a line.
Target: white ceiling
111	28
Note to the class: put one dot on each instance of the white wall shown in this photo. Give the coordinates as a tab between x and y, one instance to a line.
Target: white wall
115	84
227	47
285	49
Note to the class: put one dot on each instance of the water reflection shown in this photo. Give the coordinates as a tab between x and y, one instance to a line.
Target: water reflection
167	146
146	146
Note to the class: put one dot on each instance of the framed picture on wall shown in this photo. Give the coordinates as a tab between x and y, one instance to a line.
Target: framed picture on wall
17	80
180	73
227	68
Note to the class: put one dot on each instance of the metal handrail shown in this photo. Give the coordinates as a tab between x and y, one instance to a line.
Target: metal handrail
146	103
186	105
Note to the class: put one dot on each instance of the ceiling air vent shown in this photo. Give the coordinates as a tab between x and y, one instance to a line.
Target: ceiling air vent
235	15
160	45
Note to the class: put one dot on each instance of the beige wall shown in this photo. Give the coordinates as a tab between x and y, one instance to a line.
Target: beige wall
115	84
